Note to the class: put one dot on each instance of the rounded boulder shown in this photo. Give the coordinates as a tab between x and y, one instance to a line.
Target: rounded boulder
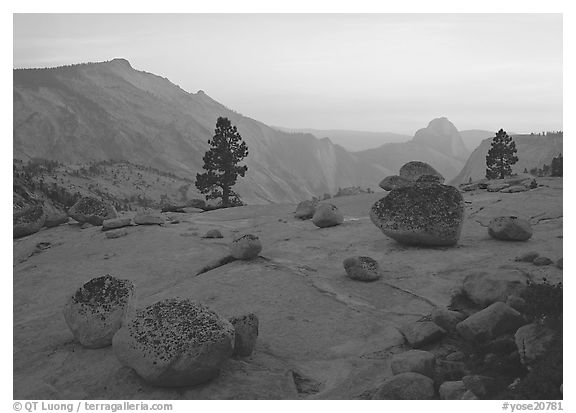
245	247
327	215
510	229
362	268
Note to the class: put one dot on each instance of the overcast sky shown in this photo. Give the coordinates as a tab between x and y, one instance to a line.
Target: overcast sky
376	72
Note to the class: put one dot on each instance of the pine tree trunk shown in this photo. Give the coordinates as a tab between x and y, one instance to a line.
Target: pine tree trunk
225	195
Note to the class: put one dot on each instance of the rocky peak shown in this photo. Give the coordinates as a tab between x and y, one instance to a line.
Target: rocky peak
442	135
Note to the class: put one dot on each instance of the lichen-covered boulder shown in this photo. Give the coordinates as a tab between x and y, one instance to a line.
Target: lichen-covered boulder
362	268
327	215
28	221
245	247
406	386
510	228
415	169
394	181
92	210
305	209
174	343
416	361
97	310
246	333
421	214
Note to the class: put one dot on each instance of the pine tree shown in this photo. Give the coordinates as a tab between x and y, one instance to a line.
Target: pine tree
501	156
556	167
221	164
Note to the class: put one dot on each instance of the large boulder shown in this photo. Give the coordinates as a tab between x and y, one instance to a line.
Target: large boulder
174	343
421	214
421	333
533	341
406	386
415	169
452	390
485	288
362	268
305	209
146	216
394	181
416	361
490	323
245	334
510	229
92	210
28	221
97	310
54	216
327	215
446	319
245	247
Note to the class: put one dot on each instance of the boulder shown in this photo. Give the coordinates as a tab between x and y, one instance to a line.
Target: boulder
497	186
115	223
469	395
559	263
416	361
245	247
517	303
305	209
510	229
421	333
146	216
430	178
415	169
514	189
406	386
173	208
245	334
327	215
489	323
421	214
527	257
213	233
98	309
92	210
116	233
28	221
362	268
446	319
394	181
482	386
485	288
452	390
174	343
542	261
533	341
450	370
469	187
55	217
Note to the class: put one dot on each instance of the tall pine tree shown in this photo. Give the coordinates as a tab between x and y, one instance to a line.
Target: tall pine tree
221	164
501	156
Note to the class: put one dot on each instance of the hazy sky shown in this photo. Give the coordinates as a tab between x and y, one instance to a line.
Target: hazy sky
378	72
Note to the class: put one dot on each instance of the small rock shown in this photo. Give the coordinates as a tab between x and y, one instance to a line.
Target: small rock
327	215
245	247
115	223
490	322
510	229
446	319
246	333
452	390
481	386
213	233
146	216
392	182
362	268
420	333
527	257
497	187
406	386
305	209
541	261
533	341
86	225
416	361
97	310
514	189
117	233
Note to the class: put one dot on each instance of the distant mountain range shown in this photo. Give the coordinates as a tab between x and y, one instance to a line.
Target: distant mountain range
110	111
